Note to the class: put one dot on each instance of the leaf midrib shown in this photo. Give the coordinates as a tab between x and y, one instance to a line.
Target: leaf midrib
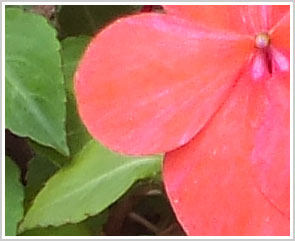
35	110
95	182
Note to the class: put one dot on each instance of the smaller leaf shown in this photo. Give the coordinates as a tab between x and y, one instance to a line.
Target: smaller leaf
39	170
51	154
77	135
94	179
14	196
92	226
95	223
34	88
72	49
80	229
24	7
77	20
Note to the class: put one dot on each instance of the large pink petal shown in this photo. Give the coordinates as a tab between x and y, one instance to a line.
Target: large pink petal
280	35
280	44
249	19
280	21
210	181
149	83
271	156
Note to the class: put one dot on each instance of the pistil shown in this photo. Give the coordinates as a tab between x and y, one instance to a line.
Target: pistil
262	62
262	40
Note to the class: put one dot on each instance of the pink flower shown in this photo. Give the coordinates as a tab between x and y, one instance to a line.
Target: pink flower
208	86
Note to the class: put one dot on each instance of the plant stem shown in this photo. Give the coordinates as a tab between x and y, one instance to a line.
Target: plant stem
141	220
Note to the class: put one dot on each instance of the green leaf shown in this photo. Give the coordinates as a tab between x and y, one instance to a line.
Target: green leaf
86	186
95	223
35	96
77	135
90	227
87	20
40	169
72	49
14	196
64	230
49	153
24	7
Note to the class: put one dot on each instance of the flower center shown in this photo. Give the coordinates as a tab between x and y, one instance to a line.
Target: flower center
262	40
267	58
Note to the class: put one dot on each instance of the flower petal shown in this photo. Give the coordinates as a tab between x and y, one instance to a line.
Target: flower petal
148	83
278	13
249	19
271	155
209	180
280	33
280	41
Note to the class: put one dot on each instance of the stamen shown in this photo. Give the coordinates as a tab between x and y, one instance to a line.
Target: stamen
262	40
